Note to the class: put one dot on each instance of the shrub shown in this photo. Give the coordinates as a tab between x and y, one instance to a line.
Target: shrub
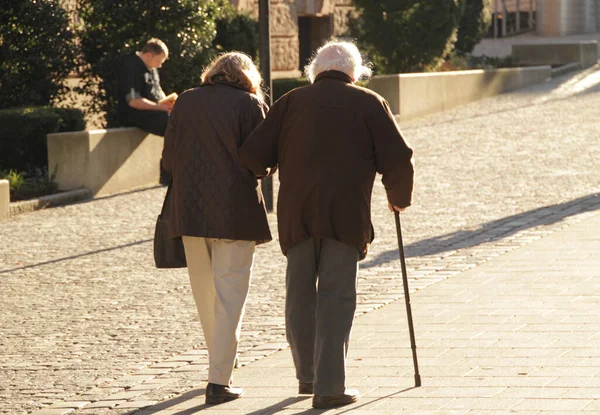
37	52
460	62
23	135
474	24
28	185
284	85
236	31
406	35
113	30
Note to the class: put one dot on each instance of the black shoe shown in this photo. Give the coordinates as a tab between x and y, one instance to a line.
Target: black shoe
305	388
220	393
326	402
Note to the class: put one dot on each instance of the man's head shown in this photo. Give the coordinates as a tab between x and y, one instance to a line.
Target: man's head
154	53
337	56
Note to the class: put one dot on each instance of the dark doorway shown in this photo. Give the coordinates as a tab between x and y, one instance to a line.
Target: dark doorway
313	32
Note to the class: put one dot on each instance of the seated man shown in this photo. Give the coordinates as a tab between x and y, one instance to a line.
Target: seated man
141	101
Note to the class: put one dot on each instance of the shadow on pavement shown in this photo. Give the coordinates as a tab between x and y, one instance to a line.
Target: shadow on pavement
165	405
491	231
282	406
54	261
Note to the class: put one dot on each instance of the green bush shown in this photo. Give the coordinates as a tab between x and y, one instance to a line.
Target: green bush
236	31
37	52
406	35
284	85
112	30
474	24
28	185
23	135
461	62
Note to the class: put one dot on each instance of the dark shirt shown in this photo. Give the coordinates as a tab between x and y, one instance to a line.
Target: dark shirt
137	81
329	140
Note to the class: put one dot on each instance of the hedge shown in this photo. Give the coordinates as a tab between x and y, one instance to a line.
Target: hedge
282	86
23	144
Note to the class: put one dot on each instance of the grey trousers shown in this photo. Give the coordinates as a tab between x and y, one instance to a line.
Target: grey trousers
319	310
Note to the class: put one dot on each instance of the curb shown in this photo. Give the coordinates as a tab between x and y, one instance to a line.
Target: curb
59	199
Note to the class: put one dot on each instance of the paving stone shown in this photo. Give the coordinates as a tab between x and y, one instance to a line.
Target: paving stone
83	305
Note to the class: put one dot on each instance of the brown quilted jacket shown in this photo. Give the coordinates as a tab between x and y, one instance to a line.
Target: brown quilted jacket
213	196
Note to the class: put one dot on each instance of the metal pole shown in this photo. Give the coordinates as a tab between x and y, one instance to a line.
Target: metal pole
411	328
518	16
531	15
495	19
265	69
504	17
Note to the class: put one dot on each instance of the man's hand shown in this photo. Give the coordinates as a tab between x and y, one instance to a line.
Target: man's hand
392	208
147	105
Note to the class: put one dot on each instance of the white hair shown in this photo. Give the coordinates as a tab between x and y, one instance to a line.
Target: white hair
337	56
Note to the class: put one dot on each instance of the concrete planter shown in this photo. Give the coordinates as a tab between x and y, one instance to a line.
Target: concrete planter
105	161
4	199
417	94
584	52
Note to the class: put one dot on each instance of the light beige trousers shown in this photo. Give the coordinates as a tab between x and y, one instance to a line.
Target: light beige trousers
219	271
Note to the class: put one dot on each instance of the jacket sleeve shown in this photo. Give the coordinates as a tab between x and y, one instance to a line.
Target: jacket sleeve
393	156
259	152
257	112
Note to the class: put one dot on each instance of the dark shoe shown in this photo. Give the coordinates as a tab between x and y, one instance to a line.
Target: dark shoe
305	388
326	402
220	393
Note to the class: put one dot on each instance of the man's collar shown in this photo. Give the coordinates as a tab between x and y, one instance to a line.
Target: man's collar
335	75
139	55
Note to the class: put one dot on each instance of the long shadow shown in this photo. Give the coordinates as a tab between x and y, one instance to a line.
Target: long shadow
376	400
165	405
54	261
273	409
197	393
491	231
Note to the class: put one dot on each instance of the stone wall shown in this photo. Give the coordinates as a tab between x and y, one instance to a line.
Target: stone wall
285	55
284	14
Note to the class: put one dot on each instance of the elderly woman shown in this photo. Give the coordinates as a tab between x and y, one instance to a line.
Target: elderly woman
329	140
217	205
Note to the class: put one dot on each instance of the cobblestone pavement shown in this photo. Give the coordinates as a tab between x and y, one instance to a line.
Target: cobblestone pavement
86	318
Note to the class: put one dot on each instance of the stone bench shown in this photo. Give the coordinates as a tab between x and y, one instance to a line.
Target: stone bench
559	53
414	95
104	161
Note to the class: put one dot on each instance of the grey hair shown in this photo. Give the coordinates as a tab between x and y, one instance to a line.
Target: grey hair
337	56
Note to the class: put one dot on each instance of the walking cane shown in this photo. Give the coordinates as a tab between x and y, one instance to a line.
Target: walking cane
411	329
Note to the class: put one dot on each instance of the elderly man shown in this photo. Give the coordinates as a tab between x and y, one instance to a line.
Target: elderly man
328	139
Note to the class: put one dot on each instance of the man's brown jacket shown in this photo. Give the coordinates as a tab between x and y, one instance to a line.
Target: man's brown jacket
329	140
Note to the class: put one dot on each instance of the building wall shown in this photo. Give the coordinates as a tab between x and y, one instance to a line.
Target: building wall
285	43
567	17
